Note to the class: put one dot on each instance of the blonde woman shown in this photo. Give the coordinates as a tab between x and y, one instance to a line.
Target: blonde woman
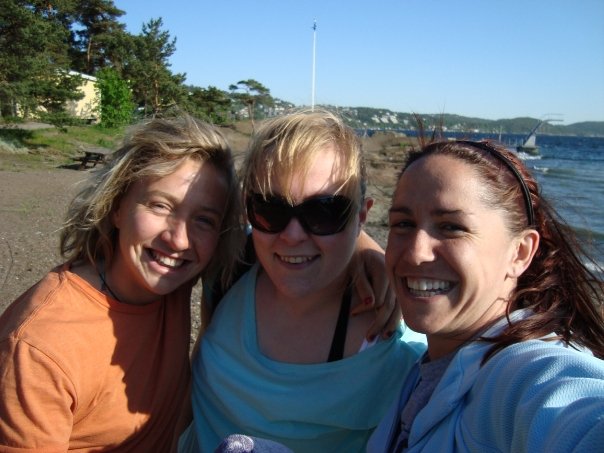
282	358
95	355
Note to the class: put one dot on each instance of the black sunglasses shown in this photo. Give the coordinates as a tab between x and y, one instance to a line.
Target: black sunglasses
321	216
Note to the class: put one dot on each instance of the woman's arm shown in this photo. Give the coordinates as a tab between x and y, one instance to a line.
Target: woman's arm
36	399
373	287
537	396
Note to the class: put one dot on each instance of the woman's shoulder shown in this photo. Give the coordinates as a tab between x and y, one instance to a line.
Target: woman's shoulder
546	354
51	319
555	393
520	367
37	304
547	351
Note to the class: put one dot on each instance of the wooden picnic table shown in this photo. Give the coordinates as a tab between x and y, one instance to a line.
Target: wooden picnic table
93	155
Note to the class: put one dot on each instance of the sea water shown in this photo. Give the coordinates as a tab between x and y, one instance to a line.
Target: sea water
570	171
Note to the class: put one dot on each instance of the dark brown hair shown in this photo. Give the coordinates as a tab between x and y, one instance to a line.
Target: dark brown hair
565	296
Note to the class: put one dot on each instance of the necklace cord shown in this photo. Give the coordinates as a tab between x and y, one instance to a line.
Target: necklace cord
104	285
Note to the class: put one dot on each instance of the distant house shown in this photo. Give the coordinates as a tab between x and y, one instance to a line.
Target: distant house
86	108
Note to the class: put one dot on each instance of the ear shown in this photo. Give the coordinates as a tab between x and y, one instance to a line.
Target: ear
365	207
526	245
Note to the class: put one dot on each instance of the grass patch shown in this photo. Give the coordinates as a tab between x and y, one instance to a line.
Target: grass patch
15	137
44	148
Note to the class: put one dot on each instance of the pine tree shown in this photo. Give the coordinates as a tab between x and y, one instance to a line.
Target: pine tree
97	36
34	69
155	87
251	93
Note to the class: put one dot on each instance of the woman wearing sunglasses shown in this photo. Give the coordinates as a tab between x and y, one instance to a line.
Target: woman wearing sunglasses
282	358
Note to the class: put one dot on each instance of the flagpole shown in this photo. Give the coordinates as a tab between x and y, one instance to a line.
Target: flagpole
314	54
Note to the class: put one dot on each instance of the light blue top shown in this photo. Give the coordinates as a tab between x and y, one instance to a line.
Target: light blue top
320	407
534	396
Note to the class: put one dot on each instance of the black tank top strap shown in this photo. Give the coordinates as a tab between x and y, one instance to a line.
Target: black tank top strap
339	336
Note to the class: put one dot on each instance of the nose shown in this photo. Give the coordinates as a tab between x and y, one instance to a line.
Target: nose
294	232
176	234
420	248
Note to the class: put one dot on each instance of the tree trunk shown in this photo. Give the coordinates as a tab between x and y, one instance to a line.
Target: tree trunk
88	56
250	112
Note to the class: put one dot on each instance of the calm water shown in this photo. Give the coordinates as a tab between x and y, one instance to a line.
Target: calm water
570	171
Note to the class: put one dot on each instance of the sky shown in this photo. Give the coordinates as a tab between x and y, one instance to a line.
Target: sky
490	59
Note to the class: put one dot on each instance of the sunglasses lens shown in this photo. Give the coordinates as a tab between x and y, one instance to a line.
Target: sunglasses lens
320	216
326	215
271	215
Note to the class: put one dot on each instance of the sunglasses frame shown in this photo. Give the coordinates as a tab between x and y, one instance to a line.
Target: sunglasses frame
299	211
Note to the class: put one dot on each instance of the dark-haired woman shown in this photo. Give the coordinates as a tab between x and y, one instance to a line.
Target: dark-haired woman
483	266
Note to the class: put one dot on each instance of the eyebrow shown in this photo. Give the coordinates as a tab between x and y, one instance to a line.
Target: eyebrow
437	212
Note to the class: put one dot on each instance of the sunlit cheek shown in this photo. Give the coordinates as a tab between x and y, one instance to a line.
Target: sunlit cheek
145	225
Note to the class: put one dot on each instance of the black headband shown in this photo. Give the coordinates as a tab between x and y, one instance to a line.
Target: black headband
501	158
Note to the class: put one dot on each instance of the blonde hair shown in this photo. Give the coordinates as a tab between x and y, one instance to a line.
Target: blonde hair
286	146
152	149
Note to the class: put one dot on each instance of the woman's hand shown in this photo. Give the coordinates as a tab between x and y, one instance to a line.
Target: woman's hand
373	288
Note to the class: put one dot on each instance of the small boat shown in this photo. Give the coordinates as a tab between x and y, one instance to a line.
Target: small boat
529	144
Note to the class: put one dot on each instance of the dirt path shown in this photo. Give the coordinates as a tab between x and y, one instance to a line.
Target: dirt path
32	207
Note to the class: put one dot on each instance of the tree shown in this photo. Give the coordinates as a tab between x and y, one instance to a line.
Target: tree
116	102
251	93
34	54
210	104
154	85
99	27
119	50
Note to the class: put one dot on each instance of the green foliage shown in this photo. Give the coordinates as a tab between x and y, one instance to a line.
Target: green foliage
211	104
252	94
372	118
43	148
34	56
155	87
60	119
53	92
14	136
116	103
94	41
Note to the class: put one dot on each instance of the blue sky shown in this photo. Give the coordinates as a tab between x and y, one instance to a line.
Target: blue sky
482	58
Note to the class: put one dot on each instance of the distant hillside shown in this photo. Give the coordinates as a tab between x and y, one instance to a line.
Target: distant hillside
371	118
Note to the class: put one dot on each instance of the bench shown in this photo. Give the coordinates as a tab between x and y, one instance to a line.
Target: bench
92	156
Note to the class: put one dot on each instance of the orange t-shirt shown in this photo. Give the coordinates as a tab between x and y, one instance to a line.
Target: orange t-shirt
82	372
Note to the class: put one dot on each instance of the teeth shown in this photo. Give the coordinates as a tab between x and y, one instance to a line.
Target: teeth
167	261
427	287
295	259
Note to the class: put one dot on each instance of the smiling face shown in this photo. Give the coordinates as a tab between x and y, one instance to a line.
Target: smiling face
299	263
450	256
168	228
